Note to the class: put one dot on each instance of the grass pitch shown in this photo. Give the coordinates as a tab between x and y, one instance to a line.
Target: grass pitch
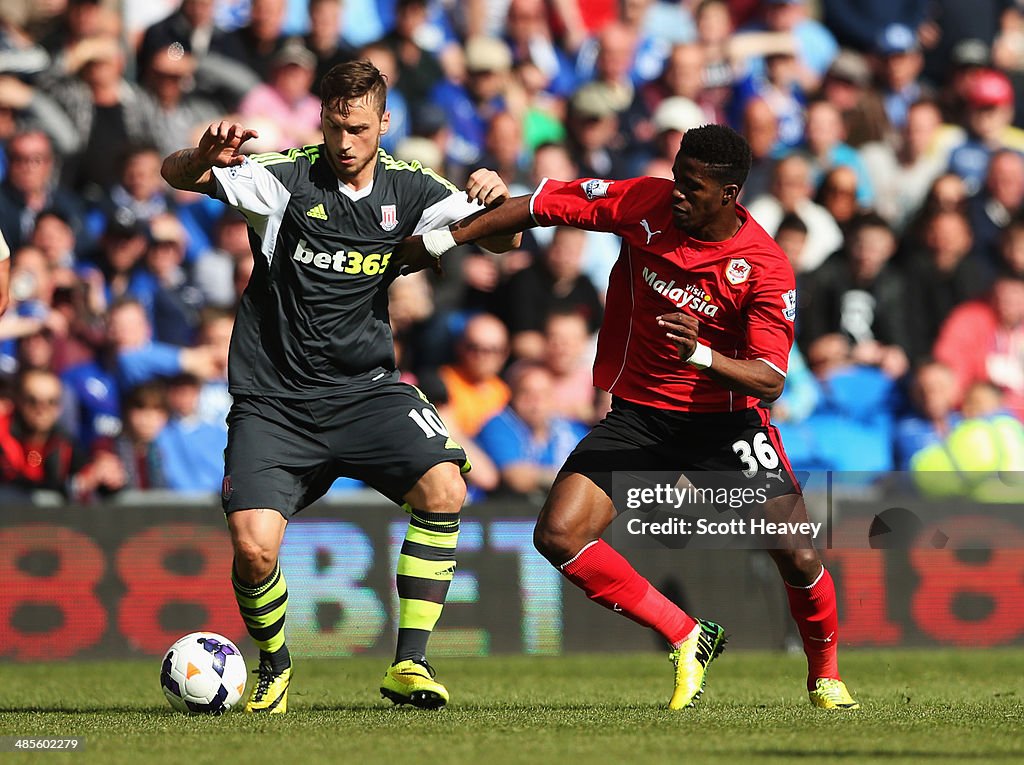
918	706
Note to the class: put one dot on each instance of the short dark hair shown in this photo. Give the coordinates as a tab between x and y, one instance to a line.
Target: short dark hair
725	152
791	222
353	80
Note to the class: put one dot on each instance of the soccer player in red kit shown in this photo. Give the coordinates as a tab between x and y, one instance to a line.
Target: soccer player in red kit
697	332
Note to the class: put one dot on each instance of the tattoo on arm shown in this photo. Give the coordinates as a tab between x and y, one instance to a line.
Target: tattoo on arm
184	170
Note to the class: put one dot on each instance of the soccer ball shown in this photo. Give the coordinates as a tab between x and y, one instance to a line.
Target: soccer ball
203	673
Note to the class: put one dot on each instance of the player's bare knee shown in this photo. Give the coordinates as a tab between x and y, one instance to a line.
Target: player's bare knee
446	496
555	542
254	562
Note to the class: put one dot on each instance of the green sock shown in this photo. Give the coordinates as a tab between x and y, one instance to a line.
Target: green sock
263	606
425	570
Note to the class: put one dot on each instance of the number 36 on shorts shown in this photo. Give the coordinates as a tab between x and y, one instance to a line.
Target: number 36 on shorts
756	453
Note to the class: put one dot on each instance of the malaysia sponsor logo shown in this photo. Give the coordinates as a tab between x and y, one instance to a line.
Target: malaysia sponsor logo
388	217
595	189
690	296
738	271
789	305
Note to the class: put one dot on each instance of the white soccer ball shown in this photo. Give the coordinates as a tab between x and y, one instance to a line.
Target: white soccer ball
203	673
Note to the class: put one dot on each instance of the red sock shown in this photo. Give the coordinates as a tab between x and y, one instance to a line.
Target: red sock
608	579
814	611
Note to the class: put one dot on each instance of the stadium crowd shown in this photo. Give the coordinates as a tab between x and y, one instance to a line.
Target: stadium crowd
888	143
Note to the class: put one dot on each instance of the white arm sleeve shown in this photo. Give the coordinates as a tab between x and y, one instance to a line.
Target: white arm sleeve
450	209
256	193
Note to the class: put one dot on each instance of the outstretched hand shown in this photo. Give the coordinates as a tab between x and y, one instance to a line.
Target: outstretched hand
681	329
221	142
486	187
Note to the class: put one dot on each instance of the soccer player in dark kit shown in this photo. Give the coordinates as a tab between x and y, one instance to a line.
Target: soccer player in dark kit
312	365
697	332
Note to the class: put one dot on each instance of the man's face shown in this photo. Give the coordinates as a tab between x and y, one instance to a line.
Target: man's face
352	136
697	197
531	398
31	163
483	350
39	402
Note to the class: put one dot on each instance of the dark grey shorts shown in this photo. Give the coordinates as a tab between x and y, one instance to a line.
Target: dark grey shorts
284	454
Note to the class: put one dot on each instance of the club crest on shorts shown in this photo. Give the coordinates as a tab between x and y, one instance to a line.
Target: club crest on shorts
738	271
595	189
388	217
226	488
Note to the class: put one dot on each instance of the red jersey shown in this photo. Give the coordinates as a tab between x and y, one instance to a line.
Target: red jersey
742	290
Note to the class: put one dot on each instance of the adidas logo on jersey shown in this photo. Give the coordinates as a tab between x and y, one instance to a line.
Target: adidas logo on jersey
691	297
317	212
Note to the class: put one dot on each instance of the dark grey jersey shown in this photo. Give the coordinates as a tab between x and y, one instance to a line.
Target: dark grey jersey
314	318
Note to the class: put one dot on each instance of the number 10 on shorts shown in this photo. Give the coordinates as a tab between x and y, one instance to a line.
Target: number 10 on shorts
431	425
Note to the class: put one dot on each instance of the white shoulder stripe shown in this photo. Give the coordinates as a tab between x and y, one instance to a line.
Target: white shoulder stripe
533	196
773	366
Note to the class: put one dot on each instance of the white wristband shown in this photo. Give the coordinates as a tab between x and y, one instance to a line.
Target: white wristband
439	241
701	356
5	251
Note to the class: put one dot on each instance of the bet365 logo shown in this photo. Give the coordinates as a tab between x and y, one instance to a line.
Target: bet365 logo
350	262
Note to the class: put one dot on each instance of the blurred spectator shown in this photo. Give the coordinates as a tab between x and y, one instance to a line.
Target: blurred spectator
951	21
324	38
673	117
138	196
382	57
285	97
555	282
933	396
681	76
761	129
859	23
608	59
802	393
595	142
778	86
145	416
990	103
859	293
850	428
470	106
715	38
214	398
214	269
475	390
569	357
1012	249
83	19
191	451
192	28
504	150
847	86
118	257
901	65
108	110
176	111
998	202
527	441
826	144
256	43
176	302
901	177
791	194
31	187
36	454
23	107
530	37
944	274
32	288
815	47
140	360
838	194
983	341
